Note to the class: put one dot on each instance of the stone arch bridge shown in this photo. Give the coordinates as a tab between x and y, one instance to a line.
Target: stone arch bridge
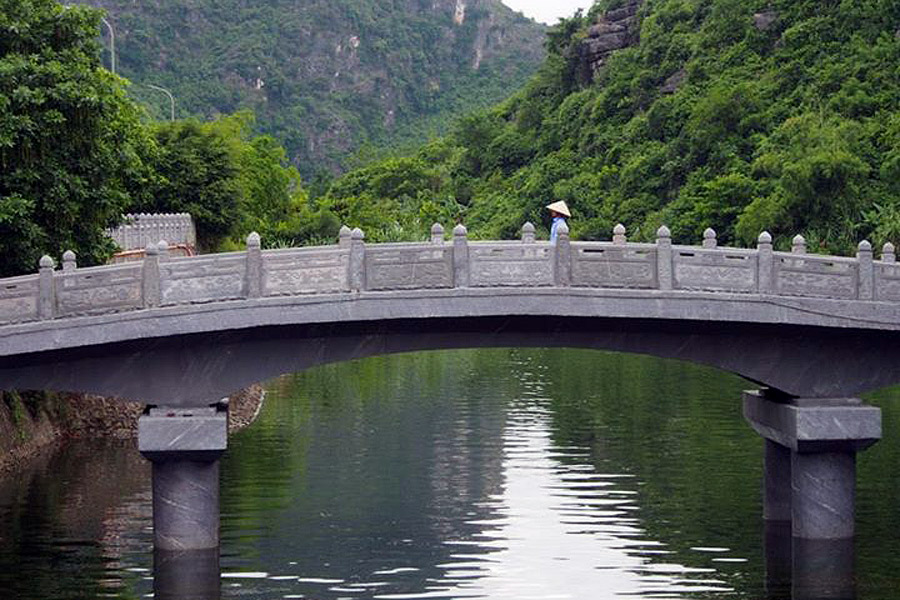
178	333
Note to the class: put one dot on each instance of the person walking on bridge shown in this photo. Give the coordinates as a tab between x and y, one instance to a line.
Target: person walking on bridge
558	212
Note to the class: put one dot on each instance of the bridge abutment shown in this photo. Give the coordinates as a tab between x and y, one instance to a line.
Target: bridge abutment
184	446
810	459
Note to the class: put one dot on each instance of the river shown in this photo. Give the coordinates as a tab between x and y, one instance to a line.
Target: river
501	474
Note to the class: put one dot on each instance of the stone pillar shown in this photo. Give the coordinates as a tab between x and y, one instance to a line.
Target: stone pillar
184	446
562	257
777	482
664	257
822	437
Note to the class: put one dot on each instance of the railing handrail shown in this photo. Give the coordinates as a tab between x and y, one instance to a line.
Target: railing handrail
524	263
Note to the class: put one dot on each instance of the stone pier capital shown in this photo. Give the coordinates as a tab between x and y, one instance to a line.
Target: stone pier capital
167	433
813	424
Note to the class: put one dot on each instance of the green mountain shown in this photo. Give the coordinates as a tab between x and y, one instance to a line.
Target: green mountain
324	77
741	115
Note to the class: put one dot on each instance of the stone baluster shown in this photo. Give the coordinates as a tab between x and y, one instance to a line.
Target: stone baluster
798	244
528	236
864	259
437	234
46	289
461	267
563	260
357	278
344	236
888	253
253	277
664	257
766	257
619	237
69	261
151	277
709	238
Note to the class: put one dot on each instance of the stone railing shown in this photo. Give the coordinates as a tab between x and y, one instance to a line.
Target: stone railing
142	229
353	266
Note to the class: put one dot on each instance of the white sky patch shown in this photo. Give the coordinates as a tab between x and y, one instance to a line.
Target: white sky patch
548	11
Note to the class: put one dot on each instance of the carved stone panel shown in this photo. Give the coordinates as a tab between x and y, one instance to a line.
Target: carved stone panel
305	272
887	281
815	276
509	265
205	279
99	290
19	299
613	267
414	267
715	270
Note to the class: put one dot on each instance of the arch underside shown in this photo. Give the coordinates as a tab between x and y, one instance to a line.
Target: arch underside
199	368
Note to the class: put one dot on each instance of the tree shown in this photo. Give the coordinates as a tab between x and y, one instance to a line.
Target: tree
197	174
71	143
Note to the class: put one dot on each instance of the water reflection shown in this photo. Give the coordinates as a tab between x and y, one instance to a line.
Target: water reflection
186	575
798	569
490	474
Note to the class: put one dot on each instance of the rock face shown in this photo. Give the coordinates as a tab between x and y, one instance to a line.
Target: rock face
763	20
614	30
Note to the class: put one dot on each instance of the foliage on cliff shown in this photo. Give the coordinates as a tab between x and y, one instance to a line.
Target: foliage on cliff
789	123
325	77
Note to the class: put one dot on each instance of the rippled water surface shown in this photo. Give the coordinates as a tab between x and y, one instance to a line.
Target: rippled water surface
502	474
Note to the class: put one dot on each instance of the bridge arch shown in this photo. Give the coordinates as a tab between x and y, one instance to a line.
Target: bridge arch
194	355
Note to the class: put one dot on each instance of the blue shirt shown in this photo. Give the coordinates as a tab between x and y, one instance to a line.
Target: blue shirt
553	228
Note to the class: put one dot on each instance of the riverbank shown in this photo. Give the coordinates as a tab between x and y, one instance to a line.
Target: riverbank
34	425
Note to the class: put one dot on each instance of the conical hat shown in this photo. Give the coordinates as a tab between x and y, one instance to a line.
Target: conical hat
560	207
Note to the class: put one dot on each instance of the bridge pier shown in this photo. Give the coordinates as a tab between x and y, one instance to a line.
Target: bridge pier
184	445
810	459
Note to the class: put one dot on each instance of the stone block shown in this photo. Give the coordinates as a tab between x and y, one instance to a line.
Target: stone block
183	434
814	424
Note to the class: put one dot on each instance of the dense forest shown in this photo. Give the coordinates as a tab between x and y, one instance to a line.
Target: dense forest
741	115
732	114
327	78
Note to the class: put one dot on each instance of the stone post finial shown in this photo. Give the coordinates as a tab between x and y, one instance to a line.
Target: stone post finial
664	257
766	261
528	233
798	244
709	238
619	234
151	276
460	256
163	247
888	253
344	236
437	234
69	261
357	264
253	274
46	289
865	258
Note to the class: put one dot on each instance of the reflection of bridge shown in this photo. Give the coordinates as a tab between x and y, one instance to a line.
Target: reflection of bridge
181	332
